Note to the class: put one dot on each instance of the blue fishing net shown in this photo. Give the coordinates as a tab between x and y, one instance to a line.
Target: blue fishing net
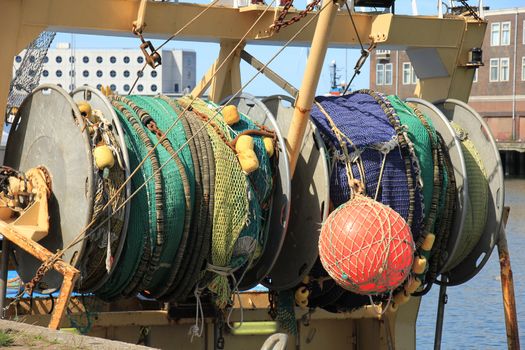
370	136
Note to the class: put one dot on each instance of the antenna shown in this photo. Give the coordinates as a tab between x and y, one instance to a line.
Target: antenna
414	8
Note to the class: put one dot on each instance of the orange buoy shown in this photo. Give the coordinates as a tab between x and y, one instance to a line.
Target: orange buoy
366	247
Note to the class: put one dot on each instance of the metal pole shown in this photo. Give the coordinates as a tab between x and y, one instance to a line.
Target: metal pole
312	72
507	287
4	267
443	299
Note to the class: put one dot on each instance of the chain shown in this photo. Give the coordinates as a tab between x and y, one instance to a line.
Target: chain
31	285
281	23
272	309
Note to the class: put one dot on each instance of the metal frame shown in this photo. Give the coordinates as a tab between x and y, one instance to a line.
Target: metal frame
479	134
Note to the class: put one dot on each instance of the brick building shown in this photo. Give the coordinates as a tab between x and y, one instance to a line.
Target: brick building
498	89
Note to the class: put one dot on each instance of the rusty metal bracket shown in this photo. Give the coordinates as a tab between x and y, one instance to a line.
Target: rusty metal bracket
32	225
150	53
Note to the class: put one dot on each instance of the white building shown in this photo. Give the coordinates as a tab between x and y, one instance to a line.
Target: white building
117	68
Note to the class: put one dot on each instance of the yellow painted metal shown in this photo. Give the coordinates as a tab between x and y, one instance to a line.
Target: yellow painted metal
314	64
254	328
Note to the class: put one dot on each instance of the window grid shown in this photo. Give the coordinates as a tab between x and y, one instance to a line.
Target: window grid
505	33
388	74
406	73
494	34
523	68
380	75
494	70
504	69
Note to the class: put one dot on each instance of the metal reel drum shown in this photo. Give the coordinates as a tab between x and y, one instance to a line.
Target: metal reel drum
442	125
310	202
278	216
48	130
482	138
97	100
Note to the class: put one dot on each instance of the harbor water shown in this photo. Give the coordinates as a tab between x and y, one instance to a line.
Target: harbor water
474	317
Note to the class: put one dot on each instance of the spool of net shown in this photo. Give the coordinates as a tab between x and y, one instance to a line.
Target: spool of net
366	247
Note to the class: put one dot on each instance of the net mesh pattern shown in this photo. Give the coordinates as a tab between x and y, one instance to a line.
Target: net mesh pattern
179	185
477	196
138	240
28	74
366	247
231	207
369	136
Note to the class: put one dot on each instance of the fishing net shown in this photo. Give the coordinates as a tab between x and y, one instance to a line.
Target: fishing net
136	250
197	247
420	138
363	134
231	205
366	247
102	242
179	183
28	74
477	196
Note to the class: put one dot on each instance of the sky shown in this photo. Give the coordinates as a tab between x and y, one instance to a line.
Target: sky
289	64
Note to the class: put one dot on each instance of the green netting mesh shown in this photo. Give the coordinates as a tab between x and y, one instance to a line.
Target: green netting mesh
231	207
478	196
422	146
178	184
141	226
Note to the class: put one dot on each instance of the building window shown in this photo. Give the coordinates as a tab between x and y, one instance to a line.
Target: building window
140	59
113	74
140	73
46	59
388	74
85	59
71	73
71	87
99	73
113	87
494	69
99	86
153	74
140	87
58	59
523	34
126	73
176	87
59	85
45	73
18	59
475	80
523	68
406	73
99	59
85	73
32	59
380	75
126	87
153	87
505	33
112	59
126	59
59	73
504	69
494	34
71	59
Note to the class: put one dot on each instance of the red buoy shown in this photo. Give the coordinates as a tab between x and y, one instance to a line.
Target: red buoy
366	246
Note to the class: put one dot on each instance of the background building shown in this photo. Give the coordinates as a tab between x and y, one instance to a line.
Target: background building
117	68
498	89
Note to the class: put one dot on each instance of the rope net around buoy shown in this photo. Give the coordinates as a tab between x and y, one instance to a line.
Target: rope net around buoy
366	247
395	152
